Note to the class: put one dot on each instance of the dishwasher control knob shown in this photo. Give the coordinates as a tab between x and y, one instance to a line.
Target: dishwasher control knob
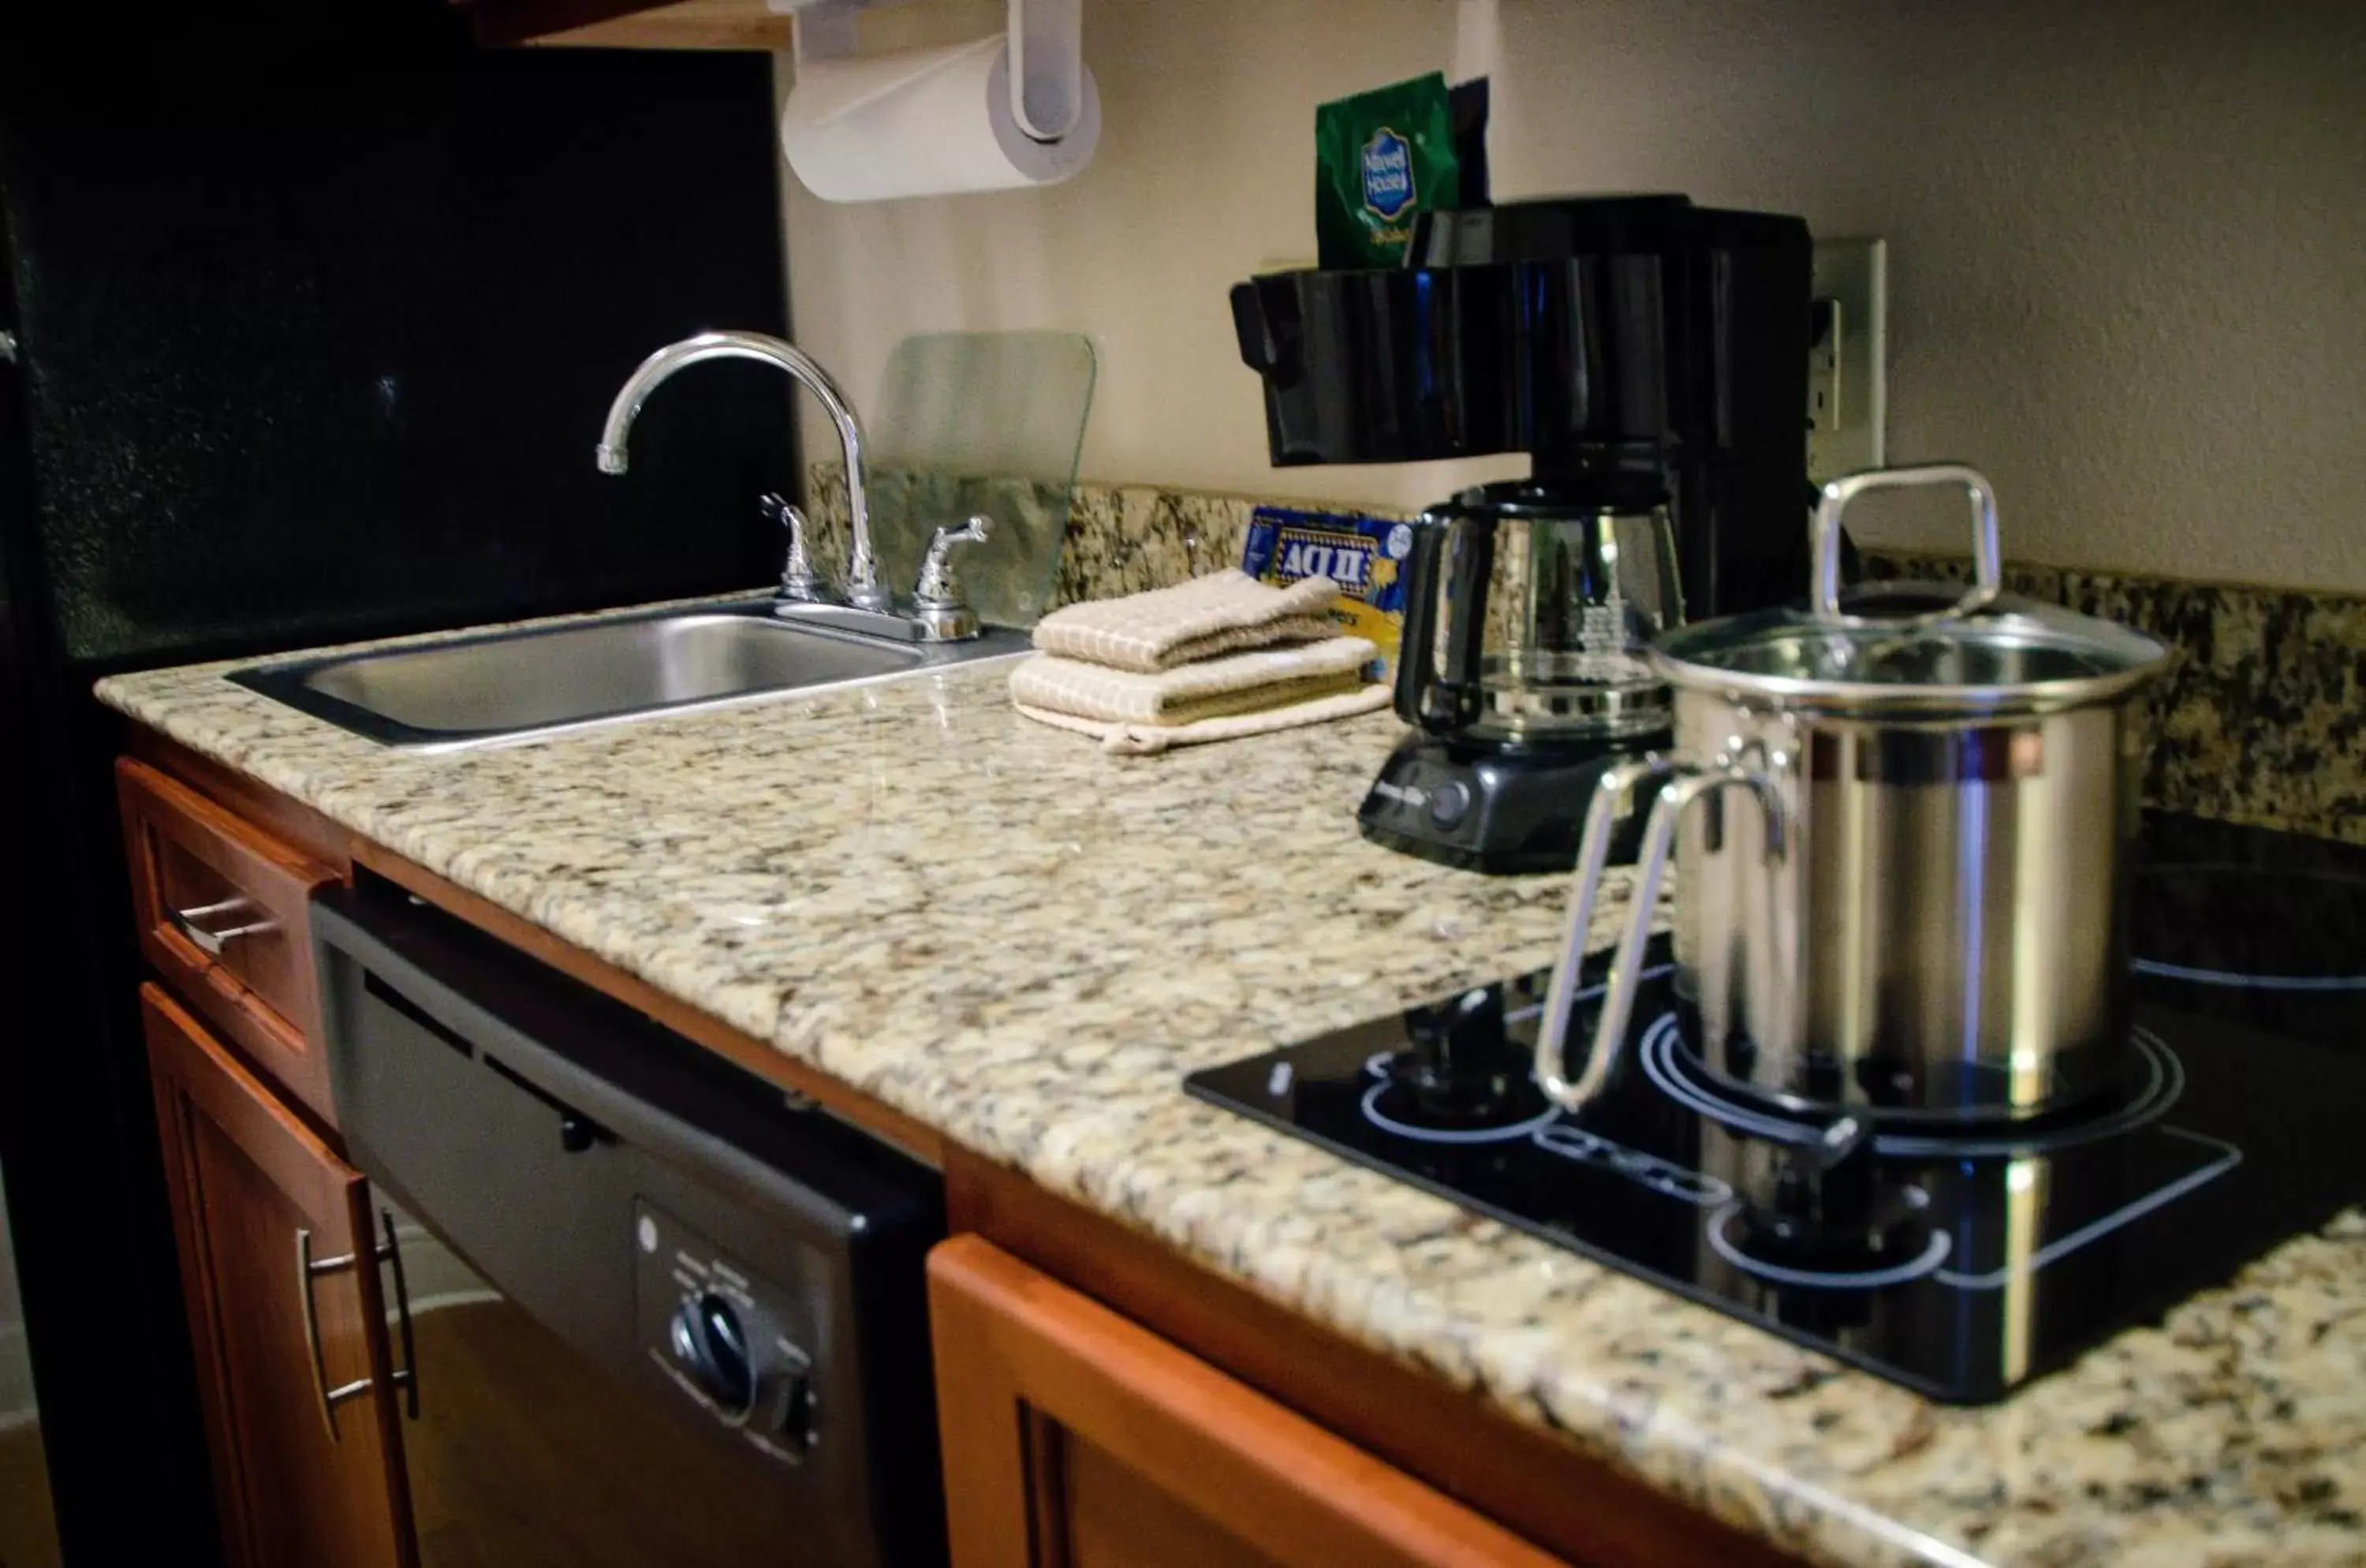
711	1341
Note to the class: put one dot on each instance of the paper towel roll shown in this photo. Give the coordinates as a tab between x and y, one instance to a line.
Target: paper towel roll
923	122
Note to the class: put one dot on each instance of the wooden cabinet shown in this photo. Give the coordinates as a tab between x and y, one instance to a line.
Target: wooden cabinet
1075	1437
720	24
631	24
288	1328
1143	1413
223	912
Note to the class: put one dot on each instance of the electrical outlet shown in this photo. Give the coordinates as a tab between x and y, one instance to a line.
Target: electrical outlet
1848	357
1827	328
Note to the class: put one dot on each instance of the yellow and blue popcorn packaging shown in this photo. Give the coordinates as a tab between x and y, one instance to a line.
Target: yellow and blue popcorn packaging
1365	556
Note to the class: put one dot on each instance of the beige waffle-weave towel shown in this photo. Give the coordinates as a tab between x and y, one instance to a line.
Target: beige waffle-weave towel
1122	738
1214	688
1221	613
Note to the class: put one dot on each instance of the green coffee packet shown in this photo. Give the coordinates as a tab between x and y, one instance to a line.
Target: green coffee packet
1382	159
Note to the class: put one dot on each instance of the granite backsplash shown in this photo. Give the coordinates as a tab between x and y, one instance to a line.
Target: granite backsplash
2261	718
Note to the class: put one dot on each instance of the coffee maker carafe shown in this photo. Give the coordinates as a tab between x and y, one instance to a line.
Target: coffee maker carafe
1650	356
1522	670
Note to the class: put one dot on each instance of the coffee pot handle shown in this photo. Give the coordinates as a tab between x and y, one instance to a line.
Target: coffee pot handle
1988	567
1443	699
1683	786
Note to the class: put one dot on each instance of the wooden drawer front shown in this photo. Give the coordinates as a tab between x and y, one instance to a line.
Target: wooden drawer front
223	910
1075	1437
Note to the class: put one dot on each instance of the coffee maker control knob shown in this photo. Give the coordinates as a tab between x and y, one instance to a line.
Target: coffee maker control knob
1450	803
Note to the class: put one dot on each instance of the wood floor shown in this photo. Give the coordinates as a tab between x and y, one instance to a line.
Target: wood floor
28	1535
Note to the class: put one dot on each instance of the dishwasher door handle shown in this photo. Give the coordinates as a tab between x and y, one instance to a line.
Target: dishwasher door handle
405	1377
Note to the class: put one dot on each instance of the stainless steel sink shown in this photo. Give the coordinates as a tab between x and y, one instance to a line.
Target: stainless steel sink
505	687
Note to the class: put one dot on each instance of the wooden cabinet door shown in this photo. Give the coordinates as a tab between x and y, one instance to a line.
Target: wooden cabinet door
255	1195
1075	1437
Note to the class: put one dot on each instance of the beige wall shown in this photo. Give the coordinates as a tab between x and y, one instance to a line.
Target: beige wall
2127	241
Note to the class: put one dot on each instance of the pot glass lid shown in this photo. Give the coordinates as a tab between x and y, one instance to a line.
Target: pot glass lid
1913	646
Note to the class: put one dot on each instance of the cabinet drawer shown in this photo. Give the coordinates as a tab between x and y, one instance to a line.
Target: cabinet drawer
223	912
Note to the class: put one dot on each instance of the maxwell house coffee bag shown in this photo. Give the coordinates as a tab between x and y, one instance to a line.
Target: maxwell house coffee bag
1380	159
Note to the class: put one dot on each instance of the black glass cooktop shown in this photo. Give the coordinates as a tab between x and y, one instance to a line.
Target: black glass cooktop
1961	1264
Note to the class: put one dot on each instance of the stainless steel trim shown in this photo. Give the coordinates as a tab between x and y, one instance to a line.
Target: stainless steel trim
1681	661
800	583
9	347
1982	656
1601	813
295	683
1510	709
214	943
863	588
937	602
308	1269
1988	562
405	1377
1945	937
1685	786
937	584
878	625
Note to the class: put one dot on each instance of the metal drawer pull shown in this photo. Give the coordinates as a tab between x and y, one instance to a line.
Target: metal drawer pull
212	942
308	1269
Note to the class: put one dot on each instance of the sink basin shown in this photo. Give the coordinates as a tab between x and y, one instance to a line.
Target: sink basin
506	686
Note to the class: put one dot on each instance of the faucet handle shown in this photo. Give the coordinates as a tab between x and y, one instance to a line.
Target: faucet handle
937	588
799	581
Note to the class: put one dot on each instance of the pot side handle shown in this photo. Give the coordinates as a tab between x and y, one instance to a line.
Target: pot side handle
1684	786
1987	565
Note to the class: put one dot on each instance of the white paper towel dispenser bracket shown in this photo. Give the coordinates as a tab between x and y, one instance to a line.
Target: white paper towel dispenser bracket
1003	112
1047	61
1047	66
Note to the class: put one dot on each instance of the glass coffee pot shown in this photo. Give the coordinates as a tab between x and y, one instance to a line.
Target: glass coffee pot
1526	615
1527	608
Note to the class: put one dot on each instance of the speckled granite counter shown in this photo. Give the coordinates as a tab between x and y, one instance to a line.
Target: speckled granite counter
2261	719
1026	944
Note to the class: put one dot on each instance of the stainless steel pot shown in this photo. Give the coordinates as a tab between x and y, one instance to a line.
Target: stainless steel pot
1906	888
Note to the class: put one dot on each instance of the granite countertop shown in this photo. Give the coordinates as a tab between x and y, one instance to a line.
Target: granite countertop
1026	944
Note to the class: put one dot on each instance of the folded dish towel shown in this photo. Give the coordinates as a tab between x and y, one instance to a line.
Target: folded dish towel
1216	699
1221	613
1122	738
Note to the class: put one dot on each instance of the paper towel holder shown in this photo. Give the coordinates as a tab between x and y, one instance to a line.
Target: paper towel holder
1047	67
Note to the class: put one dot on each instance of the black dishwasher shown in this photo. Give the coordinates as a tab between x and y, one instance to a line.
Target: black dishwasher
684	1321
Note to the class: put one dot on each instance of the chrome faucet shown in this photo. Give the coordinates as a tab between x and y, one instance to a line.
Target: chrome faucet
862	588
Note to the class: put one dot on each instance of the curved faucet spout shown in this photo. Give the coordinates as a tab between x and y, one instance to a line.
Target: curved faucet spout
862	586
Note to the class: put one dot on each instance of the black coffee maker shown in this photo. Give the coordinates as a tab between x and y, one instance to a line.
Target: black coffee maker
1651	359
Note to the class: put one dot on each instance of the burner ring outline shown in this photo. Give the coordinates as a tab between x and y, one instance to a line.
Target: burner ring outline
2305	985
1464	1136
1927	1262
2164	1083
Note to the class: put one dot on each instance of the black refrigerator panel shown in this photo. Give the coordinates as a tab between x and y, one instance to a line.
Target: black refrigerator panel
99	1285
321	347
317	311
